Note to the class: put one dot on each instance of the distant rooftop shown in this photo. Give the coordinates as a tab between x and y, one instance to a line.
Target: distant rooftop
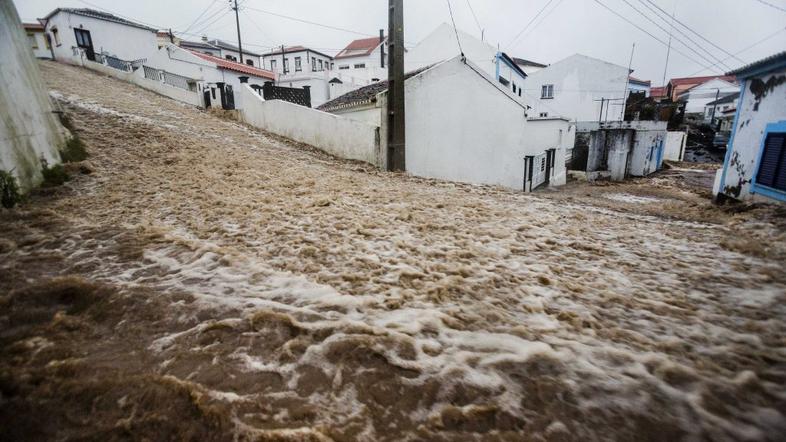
726	99
634	80
234	66
291	49
100	15
359	48
364	95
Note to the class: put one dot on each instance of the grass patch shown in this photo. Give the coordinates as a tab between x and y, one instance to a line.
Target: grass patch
74	150
54	176
9	190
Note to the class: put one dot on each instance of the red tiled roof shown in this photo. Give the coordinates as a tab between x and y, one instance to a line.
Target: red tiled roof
658	91
700	80
33	26
359	48
234	66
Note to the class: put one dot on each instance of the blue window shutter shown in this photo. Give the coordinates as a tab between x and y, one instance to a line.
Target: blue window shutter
772	169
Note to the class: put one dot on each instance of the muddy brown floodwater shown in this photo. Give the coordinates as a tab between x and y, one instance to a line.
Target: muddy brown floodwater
212	282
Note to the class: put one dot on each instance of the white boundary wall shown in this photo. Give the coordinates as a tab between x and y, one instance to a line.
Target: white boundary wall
339	136
29	131
674	148
138	77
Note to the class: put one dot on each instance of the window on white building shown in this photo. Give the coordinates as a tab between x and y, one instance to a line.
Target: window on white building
360	65
544	114
343	67
249	62
286	65
298	64
321	66
332	66
547	91
313	64
231	57
273	65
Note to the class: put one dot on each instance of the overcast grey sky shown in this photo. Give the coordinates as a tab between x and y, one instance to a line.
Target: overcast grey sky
565	27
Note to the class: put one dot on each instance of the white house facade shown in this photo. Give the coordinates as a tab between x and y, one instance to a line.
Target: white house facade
298	67
441	45
718	109
755	163
36	37
75	33
484	135
698	97
363	61
578	88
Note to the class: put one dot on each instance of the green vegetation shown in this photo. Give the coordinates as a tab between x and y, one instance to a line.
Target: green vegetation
74	151
54	176
9	190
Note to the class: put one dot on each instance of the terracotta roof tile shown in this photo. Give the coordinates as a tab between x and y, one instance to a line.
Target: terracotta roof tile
359	48
237	67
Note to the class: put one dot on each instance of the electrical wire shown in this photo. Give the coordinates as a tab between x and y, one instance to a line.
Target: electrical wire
335	28
200	15
772	5
542	19
669	18
711	59
651	35
747	48
477	22
455	31
529	24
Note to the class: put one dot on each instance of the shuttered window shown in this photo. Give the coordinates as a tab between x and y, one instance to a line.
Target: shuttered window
772	168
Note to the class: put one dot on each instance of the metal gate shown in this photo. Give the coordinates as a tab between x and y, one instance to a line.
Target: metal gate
228	98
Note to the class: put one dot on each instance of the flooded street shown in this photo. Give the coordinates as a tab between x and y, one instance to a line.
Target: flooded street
207	281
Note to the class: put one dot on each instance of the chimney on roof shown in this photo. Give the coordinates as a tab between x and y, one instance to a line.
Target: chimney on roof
204	38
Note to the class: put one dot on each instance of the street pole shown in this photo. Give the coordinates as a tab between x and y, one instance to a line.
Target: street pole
237	21
627	82
396	118
717	94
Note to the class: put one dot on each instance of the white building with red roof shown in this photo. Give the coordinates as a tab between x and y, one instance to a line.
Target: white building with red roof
363	60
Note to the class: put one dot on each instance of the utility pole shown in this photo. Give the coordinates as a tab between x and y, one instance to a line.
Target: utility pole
602	102
396	117
668	48
382	53
237	21
627	82
171	37
717	95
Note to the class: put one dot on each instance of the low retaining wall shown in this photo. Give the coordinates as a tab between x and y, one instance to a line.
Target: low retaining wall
674	148
338	136
138	77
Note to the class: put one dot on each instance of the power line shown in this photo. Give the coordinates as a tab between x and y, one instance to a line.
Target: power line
772	5
201	15
455	31
713	58
207	21
675	19
650	34
477	22
335	28
529	24
206	27
748	47
542	19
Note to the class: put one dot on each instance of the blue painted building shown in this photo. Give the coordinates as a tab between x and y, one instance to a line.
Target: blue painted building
755	164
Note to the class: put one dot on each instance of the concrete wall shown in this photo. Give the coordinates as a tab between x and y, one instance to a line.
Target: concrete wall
479	136
632	148
333	134
674	147
29	130
578	81
125	42
763	102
